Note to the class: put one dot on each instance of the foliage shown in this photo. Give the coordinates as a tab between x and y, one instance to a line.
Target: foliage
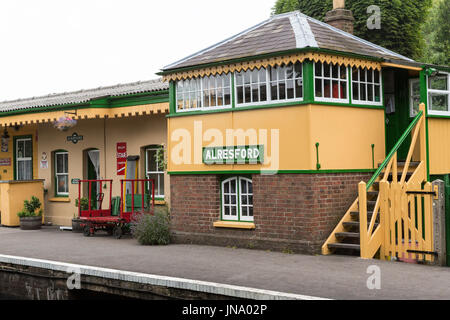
152	229
160	158
401	21
84	203
30	208
436	33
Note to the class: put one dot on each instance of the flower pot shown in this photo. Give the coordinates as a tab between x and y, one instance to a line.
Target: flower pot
76	226
30	223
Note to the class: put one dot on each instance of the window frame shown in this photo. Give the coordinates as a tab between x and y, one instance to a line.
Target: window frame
268	88
411	96
430	91
203	108
56	174
238	205
159	173
17	139
372	84
332	100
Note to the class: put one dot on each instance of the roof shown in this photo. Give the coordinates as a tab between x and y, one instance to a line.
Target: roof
83	96
284	32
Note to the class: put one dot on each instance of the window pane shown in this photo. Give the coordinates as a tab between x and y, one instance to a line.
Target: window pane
438	83
343	86
247	91
327	89
227	96
298	70
151	161
318	88
362	92
240	95
336	89
335	69
263	92
62	184
326	70
370	92
355	74
439	102
355	91
343	72
255	93
28	148
290	89
299	88
239	79
282	90
318	69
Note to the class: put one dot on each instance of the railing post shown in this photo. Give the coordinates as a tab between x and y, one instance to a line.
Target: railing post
362	196
384	220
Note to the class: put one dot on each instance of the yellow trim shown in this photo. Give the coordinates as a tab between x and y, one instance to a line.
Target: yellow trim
88	113
395	65
250	65
59	200
234	225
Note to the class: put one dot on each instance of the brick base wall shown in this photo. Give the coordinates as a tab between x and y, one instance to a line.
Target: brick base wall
295	212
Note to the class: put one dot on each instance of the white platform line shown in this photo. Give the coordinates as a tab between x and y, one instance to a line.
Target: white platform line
170	282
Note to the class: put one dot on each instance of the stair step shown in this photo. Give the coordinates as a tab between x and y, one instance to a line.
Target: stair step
344	246
348	235
354	224
373	193
403	163
355	214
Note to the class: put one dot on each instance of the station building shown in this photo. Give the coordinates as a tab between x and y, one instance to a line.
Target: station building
271	131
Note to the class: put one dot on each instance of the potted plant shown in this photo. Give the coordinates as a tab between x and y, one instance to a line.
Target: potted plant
76	221
31	215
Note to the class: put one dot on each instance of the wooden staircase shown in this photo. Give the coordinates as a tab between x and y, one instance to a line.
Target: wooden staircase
347	234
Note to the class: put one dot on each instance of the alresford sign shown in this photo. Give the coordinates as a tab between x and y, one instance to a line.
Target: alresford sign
234	155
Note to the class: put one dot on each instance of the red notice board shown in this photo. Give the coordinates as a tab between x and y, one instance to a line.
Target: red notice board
121	156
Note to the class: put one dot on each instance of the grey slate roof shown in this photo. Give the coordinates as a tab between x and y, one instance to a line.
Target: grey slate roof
283	32
83	96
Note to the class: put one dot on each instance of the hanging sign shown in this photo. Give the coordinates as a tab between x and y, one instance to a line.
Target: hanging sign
75	138
75	181
121	156
234	155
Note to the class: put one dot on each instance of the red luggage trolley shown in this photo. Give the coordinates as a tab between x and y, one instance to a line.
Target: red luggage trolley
135	198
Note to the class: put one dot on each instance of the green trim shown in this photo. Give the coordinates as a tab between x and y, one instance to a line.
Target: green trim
395	149
438	117
271	106
424	99
243	172
15	154
373	156
318	166
110	102
268	55
308	81
172	97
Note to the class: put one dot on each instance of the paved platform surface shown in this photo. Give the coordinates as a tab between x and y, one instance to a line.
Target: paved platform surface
334	277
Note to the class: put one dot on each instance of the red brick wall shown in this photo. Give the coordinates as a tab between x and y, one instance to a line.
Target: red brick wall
292	211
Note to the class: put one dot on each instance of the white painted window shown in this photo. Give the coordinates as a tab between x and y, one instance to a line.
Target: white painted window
154	170
366	86
275	84
237	199
439	94
24	159
331	83
207	93
414	97
62	173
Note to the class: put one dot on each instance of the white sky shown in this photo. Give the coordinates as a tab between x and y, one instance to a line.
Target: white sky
52	46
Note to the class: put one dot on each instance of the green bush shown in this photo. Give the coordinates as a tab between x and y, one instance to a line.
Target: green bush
30	208
152	229
84	204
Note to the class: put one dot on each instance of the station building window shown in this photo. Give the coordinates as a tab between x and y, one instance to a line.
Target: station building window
154	170
414	97
213	92
331	82
439	95
274	84
61	168
366	86
237	199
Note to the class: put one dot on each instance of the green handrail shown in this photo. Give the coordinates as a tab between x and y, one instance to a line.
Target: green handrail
394	150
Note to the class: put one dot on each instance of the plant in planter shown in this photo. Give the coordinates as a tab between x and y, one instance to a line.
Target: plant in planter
31	215
76	221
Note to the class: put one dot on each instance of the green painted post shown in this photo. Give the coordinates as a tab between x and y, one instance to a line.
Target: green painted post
308	81
424	99
317	152
373	156
172	98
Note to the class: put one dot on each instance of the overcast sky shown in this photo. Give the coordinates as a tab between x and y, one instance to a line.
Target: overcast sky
52	46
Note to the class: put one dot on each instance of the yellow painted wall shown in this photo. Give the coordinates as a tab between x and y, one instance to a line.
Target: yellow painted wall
345	136
439	142
102	134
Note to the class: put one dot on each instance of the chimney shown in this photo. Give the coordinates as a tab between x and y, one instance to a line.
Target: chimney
339	17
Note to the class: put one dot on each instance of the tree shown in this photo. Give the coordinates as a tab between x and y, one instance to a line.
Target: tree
401	21
436	33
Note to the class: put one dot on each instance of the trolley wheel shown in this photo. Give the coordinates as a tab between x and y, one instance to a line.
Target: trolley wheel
117	232
87	231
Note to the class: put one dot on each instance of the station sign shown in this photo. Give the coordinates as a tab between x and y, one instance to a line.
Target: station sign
234	155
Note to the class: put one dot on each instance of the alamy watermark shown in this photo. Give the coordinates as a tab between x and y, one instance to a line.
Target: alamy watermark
374	21
374	280
74	280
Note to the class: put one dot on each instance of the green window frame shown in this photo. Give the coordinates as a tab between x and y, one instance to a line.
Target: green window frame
61	173
237	199
153	170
